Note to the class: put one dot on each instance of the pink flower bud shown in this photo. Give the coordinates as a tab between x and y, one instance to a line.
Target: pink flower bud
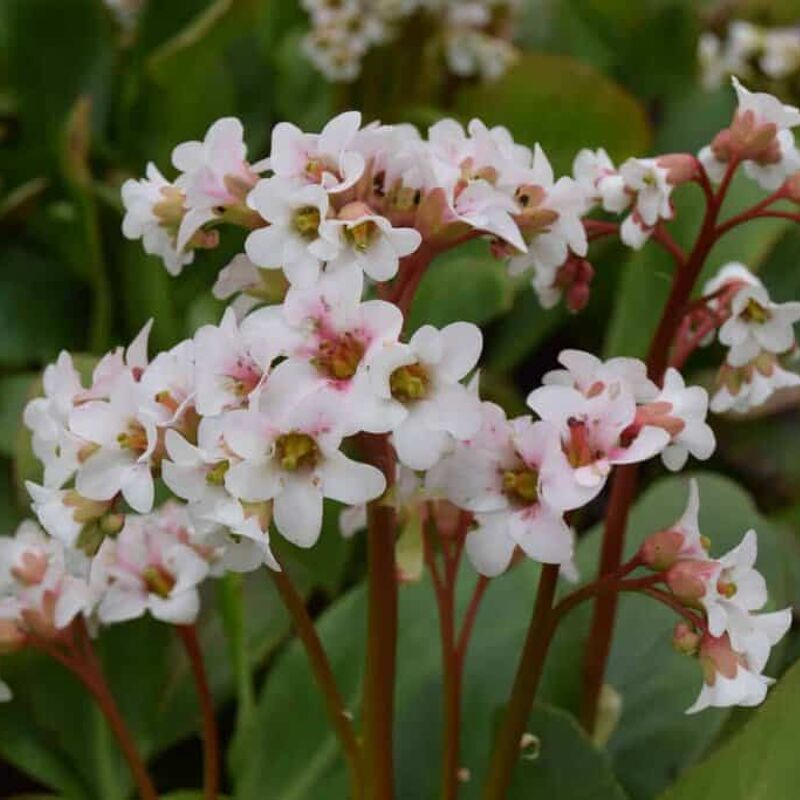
681	167
717	656
791	188
688	579
685	639
355	210
661	549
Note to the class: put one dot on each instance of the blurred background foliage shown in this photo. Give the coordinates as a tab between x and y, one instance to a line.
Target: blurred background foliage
85	103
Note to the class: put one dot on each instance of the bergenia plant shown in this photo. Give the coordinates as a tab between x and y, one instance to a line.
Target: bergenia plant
319	390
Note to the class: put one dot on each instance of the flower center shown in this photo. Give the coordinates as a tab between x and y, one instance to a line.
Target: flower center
170	208
339	358
726	588
216	475
755	312
243	377
134	438
521	485
362	236
409	383
296	451
306	222
158	580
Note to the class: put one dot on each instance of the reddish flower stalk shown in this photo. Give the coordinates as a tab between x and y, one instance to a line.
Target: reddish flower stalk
454	643
623	489
80	658
188	636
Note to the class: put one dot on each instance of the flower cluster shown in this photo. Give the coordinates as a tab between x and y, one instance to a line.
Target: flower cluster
311	388
756	331
749	52
731	641
474	33
519	477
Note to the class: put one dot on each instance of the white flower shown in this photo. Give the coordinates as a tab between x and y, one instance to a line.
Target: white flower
146	569
600	180
331	339
550	217
729	680
369	241
585	372
761	135
154	211
487	209
290	454
231	365
64	514
121	439
681	411
293	239
168	384
47	416
597	431
652	189
781	55
514	477
43	582
757	324
326	159
731	274
419	383
743	388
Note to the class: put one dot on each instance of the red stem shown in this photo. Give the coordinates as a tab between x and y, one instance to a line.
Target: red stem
529	671
623	488
188	635
382	601
85	666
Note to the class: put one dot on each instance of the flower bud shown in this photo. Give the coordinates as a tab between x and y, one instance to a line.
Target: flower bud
791	187
681	167
685	639
661	549
688	580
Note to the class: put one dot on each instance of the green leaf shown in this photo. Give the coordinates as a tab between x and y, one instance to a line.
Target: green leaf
56	52
758	763
42	308
565	765
465	284
15	391
564	105
655	739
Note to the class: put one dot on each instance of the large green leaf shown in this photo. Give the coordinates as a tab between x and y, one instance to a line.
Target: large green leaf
564	105
465	284
760	762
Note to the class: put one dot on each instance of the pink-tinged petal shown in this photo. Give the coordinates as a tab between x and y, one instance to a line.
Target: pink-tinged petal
489	547
178	609
298	512
350	482
288	149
